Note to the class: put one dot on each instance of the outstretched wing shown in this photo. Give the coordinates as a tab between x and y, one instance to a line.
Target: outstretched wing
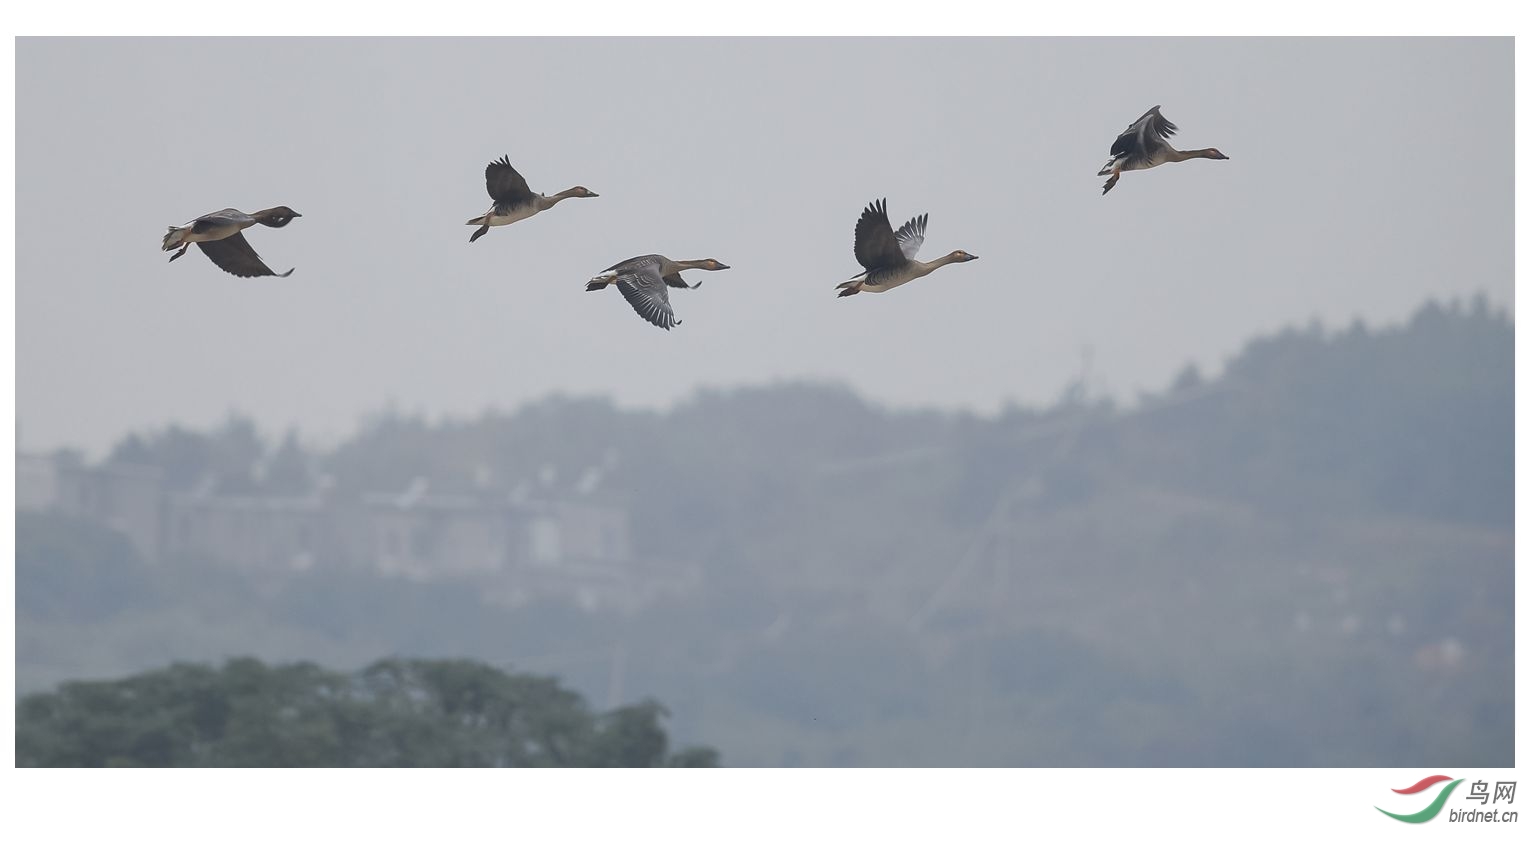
506	186
911	235
876	246
234	255
1143	136
649	297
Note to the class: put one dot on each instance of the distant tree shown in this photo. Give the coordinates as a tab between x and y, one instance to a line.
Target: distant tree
695	758
630	737
1188	379
226	457
288	471
421	713
235	449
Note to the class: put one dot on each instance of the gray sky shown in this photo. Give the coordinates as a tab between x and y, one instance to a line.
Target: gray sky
1365	177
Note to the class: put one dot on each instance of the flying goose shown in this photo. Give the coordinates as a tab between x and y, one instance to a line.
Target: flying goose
643	281
513	200
1145	144
888	256
220	238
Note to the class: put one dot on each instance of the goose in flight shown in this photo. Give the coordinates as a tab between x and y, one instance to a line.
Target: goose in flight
644	282
887	255
513	200
220	237
1145	144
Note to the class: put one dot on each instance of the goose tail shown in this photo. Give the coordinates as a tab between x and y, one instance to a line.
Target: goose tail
173	239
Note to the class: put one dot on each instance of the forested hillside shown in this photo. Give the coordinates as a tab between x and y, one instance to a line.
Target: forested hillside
1305	559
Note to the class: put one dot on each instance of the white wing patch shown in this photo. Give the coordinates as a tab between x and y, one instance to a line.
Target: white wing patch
911	236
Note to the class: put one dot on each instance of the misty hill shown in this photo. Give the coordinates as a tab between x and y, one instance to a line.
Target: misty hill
1304	560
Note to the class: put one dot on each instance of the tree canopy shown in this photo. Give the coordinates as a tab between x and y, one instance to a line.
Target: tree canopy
394	713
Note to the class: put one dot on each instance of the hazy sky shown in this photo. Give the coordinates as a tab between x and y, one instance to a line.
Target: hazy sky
1365	177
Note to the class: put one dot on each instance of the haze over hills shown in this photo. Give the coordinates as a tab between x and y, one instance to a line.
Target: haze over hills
1305	560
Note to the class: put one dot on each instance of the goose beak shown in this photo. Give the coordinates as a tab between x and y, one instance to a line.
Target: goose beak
295	214
593	195
720	267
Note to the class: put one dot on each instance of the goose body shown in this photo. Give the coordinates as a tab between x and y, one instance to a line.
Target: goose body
220	236
644	281
1145	144
513	200
887	256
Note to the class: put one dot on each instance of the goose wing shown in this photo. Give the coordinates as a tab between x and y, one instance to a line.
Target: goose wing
876	246
646	291
506	186
1142	138
911	235
637	264
234	255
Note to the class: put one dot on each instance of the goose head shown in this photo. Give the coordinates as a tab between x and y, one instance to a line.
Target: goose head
582	193
960	256
275	217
